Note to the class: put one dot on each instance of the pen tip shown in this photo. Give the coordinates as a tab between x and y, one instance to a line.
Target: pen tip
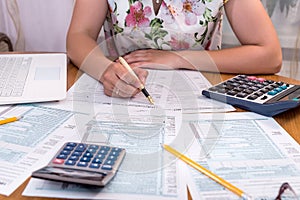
150	100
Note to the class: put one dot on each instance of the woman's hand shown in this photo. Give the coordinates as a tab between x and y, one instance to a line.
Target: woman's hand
118	82
156	59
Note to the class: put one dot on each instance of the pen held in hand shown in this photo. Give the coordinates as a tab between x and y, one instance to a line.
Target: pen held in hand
142	87
8	120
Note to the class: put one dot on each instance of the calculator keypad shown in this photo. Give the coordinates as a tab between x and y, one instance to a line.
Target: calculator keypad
88	156
250	88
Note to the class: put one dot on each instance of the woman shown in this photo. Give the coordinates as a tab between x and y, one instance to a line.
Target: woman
169	34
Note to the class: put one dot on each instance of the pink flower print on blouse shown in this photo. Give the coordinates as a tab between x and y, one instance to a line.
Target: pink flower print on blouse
178	44
192	9
137	16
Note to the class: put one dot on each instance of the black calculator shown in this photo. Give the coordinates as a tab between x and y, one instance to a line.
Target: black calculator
266	97
83	163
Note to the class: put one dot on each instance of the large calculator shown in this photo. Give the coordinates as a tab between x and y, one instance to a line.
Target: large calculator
266	97
83	163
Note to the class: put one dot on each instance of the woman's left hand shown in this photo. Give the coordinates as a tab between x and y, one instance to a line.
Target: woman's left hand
156	59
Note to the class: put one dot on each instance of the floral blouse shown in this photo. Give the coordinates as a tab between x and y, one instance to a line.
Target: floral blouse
178	25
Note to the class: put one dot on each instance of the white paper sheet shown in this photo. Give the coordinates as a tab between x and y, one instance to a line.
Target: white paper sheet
29	143
251	151
146	172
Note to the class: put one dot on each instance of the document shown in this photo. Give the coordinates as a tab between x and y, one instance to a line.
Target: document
146	171
170	89
252	152
28	143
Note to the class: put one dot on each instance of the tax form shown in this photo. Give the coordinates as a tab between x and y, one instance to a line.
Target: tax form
251	151
27	143
147	172
170	89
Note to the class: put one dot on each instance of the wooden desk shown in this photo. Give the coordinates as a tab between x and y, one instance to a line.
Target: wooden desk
289	120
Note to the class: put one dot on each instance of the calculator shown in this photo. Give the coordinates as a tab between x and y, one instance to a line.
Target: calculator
266	97
83	163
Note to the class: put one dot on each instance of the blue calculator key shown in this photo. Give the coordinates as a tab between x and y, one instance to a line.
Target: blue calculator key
116	149
100	156
91	150
65	152
85	159
273	92
94	165
61	156
94	146
97	160
105	148
109	162
114	153
88	154
112	157
77	153
75	158
103	152
72	144
70	162
283	87
69	148
106	167
82	164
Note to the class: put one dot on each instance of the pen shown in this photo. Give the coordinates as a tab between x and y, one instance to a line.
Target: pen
8	120
208	173
142	87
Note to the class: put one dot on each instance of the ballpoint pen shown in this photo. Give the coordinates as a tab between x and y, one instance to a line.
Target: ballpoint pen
8	120
208	173
142	87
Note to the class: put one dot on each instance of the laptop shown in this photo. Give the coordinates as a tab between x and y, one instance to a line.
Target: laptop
30	78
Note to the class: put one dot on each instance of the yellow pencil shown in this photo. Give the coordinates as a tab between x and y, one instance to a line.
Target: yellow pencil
142	87
8	120
208	173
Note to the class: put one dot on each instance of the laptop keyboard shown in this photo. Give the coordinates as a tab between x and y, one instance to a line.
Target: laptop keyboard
13	75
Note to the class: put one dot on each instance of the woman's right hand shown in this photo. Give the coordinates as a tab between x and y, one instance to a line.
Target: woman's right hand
118	82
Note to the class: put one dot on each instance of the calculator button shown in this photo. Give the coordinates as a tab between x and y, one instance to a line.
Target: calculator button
116	149
106	167
90	150
273	92
89	155
61	156
70	162
283	87
114	153
94	165
109	162
264	90
278	89
82	164
80	147
58	161
248	91
65	152
241	94
105	148
252	97
94	146
75	158
97	160
259	93
72	144
69	148
100	156
103	152
76	153
111	157
85	159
